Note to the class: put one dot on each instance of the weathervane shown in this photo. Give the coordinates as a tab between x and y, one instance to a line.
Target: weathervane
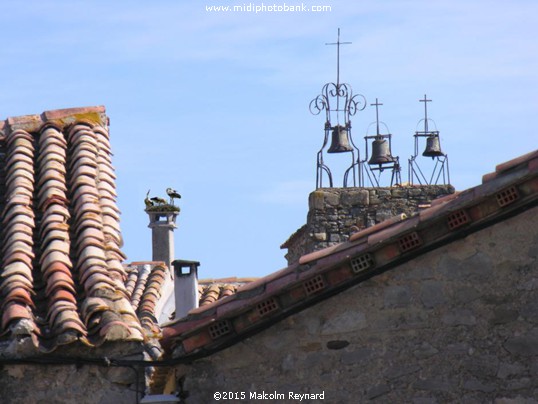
433	150
337	99
381	158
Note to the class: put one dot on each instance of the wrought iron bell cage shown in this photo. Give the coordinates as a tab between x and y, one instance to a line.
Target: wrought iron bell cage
339	103
440	173
381	157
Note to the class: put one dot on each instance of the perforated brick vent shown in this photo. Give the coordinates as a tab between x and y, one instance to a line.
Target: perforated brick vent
362	263
267	307
458	219
314	285
507	196
410	242
219	329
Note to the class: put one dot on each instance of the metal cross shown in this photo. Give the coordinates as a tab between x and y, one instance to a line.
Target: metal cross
377	104
338	43
425	101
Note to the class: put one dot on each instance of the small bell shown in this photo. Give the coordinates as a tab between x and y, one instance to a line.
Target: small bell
380	152
339	141
433	147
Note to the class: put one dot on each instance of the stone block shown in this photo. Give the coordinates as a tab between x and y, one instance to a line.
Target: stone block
331	198
316	200
335	238
477	385
425	350
319	236
503	315
459	317
432	294
509	369
348	321
377	391
399	192
433	385
354	198
356	356
383	214
397	371
397	296
524	345
483	365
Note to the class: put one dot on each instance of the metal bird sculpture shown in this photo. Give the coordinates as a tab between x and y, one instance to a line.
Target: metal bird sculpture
173	194
148	201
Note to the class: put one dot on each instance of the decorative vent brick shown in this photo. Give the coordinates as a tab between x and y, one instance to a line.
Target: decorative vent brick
458	219
219	329
267	307
314	285
362	263
507	196
409	242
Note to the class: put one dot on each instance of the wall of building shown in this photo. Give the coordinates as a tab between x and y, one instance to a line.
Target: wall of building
457	324
335	213
68	384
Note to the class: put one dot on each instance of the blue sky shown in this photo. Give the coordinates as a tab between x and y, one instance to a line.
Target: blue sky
216	104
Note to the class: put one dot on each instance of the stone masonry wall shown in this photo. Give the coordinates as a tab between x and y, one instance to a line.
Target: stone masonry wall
67	384
335	213
458	324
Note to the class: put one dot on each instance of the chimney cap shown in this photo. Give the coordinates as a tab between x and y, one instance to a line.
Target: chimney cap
180	264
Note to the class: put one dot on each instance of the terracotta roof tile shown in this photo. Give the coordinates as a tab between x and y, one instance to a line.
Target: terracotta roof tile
143	286
319	275
212	290
60	256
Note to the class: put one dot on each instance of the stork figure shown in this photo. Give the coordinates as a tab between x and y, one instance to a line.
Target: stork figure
148	201
173	194
158	201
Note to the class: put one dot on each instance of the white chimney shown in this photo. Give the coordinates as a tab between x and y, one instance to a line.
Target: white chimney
186	286
162	225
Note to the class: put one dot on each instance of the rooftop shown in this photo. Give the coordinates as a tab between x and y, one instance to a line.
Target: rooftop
510	189
62	278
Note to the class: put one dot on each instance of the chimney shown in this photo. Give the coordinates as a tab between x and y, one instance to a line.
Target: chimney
162	224
186	286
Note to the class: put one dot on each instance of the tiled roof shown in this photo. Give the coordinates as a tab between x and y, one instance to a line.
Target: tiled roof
144	284
511	189
212	290
61	278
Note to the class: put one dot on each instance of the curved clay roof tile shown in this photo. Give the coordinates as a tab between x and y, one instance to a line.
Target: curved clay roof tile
14	185
60	281
13	237
17	167
54	256
15	250
51	135
14	213
24	163
13	312
19	134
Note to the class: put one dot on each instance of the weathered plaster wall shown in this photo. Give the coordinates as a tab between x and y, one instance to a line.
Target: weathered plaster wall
458	324
335	213
68	384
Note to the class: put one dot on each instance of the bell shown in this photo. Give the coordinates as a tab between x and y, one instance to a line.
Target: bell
340	141
380	152
433	147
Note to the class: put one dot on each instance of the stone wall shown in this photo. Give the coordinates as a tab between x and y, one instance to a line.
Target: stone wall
457	324
335	213
81	383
